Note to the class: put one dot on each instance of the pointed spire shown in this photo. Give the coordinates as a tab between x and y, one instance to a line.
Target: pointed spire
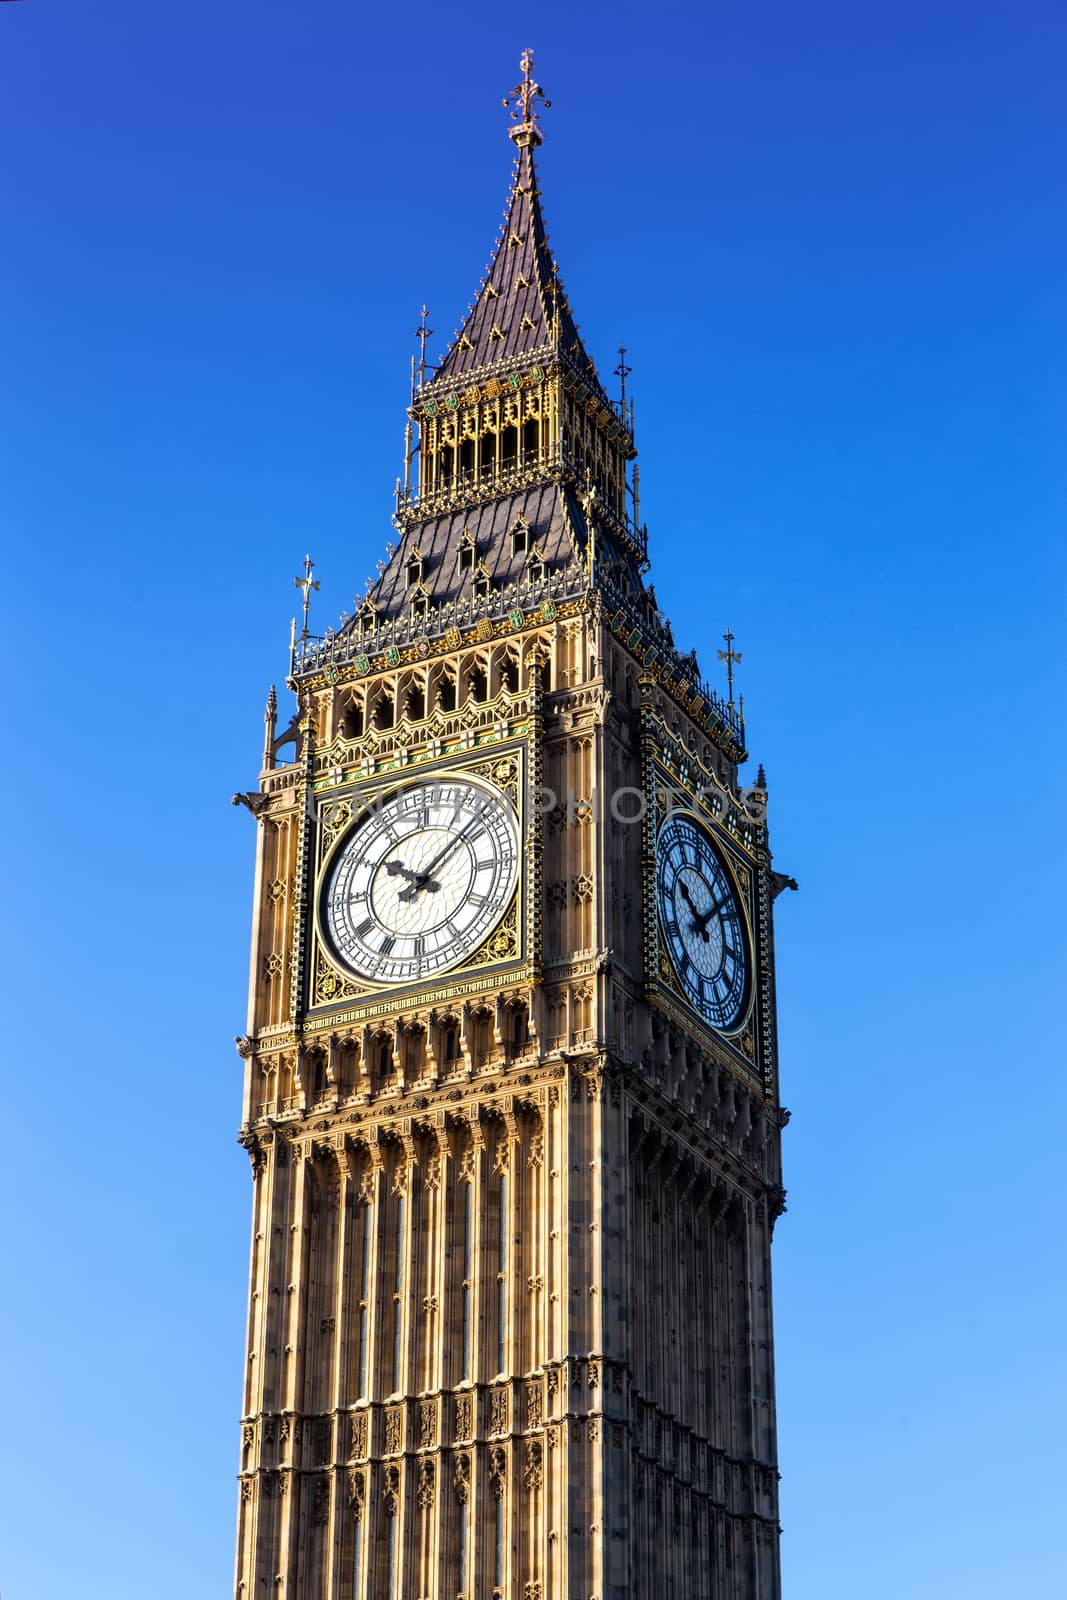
521	308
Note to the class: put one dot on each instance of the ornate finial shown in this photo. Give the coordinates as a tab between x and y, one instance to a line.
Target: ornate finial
731	657
270	720
306	584
521	104
422	334
622	372
554	293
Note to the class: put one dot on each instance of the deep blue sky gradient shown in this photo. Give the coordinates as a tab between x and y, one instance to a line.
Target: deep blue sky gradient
833	239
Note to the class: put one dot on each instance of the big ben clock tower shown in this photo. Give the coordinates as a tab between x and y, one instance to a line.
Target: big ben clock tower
511	1094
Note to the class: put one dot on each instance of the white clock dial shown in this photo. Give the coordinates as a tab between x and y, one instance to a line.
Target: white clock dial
422	880
702	920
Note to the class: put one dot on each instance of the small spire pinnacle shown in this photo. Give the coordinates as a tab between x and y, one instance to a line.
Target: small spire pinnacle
423	333
306	584
622	372
521	101
270	719
731	657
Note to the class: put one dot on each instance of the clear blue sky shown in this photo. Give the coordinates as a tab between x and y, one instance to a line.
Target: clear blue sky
832	237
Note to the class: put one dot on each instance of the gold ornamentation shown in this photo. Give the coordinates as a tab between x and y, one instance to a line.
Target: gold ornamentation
500	946
330	985
504	773
333	818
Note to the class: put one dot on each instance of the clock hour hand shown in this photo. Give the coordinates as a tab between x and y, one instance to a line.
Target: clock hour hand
699	924
419	881
416	880
686	896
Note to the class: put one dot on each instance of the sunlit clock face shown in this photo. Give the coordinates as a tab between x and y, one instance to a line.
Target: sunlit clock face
421	881
703	924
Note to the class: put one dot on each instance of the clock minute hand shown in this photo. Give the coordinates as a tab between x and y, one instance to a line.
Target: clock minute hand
422	877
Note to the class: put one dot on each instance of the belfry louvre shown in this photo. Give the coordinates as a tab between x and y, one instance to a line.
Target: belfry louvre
511	1089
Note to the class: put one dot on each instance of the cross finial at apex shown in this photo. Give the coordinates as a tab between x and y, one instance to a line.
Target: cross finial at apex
731	657
521	103
306	584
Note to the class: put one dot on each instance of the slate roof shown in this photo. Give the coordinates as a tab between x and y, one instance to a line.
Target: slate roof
556	528
513	314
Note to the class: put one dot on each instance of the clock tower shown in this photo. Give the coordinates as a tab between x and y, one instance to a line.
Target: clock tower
511	1092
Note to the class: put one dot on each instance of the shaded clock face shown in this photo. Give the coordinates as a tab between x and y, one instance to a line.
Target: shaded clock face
703	925
421	881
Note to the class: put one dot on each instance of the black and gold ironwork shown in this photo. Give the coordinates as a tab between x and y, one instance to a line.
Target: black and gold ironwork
522	103
306	584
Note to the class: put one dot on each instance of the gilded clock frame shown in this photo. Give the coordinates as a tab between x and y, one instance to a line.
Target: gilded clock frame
737	1027
747	1046
509	951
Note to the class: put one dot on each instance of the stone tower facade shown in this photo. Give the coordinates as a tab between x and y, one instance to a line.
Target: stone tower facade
511	1090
